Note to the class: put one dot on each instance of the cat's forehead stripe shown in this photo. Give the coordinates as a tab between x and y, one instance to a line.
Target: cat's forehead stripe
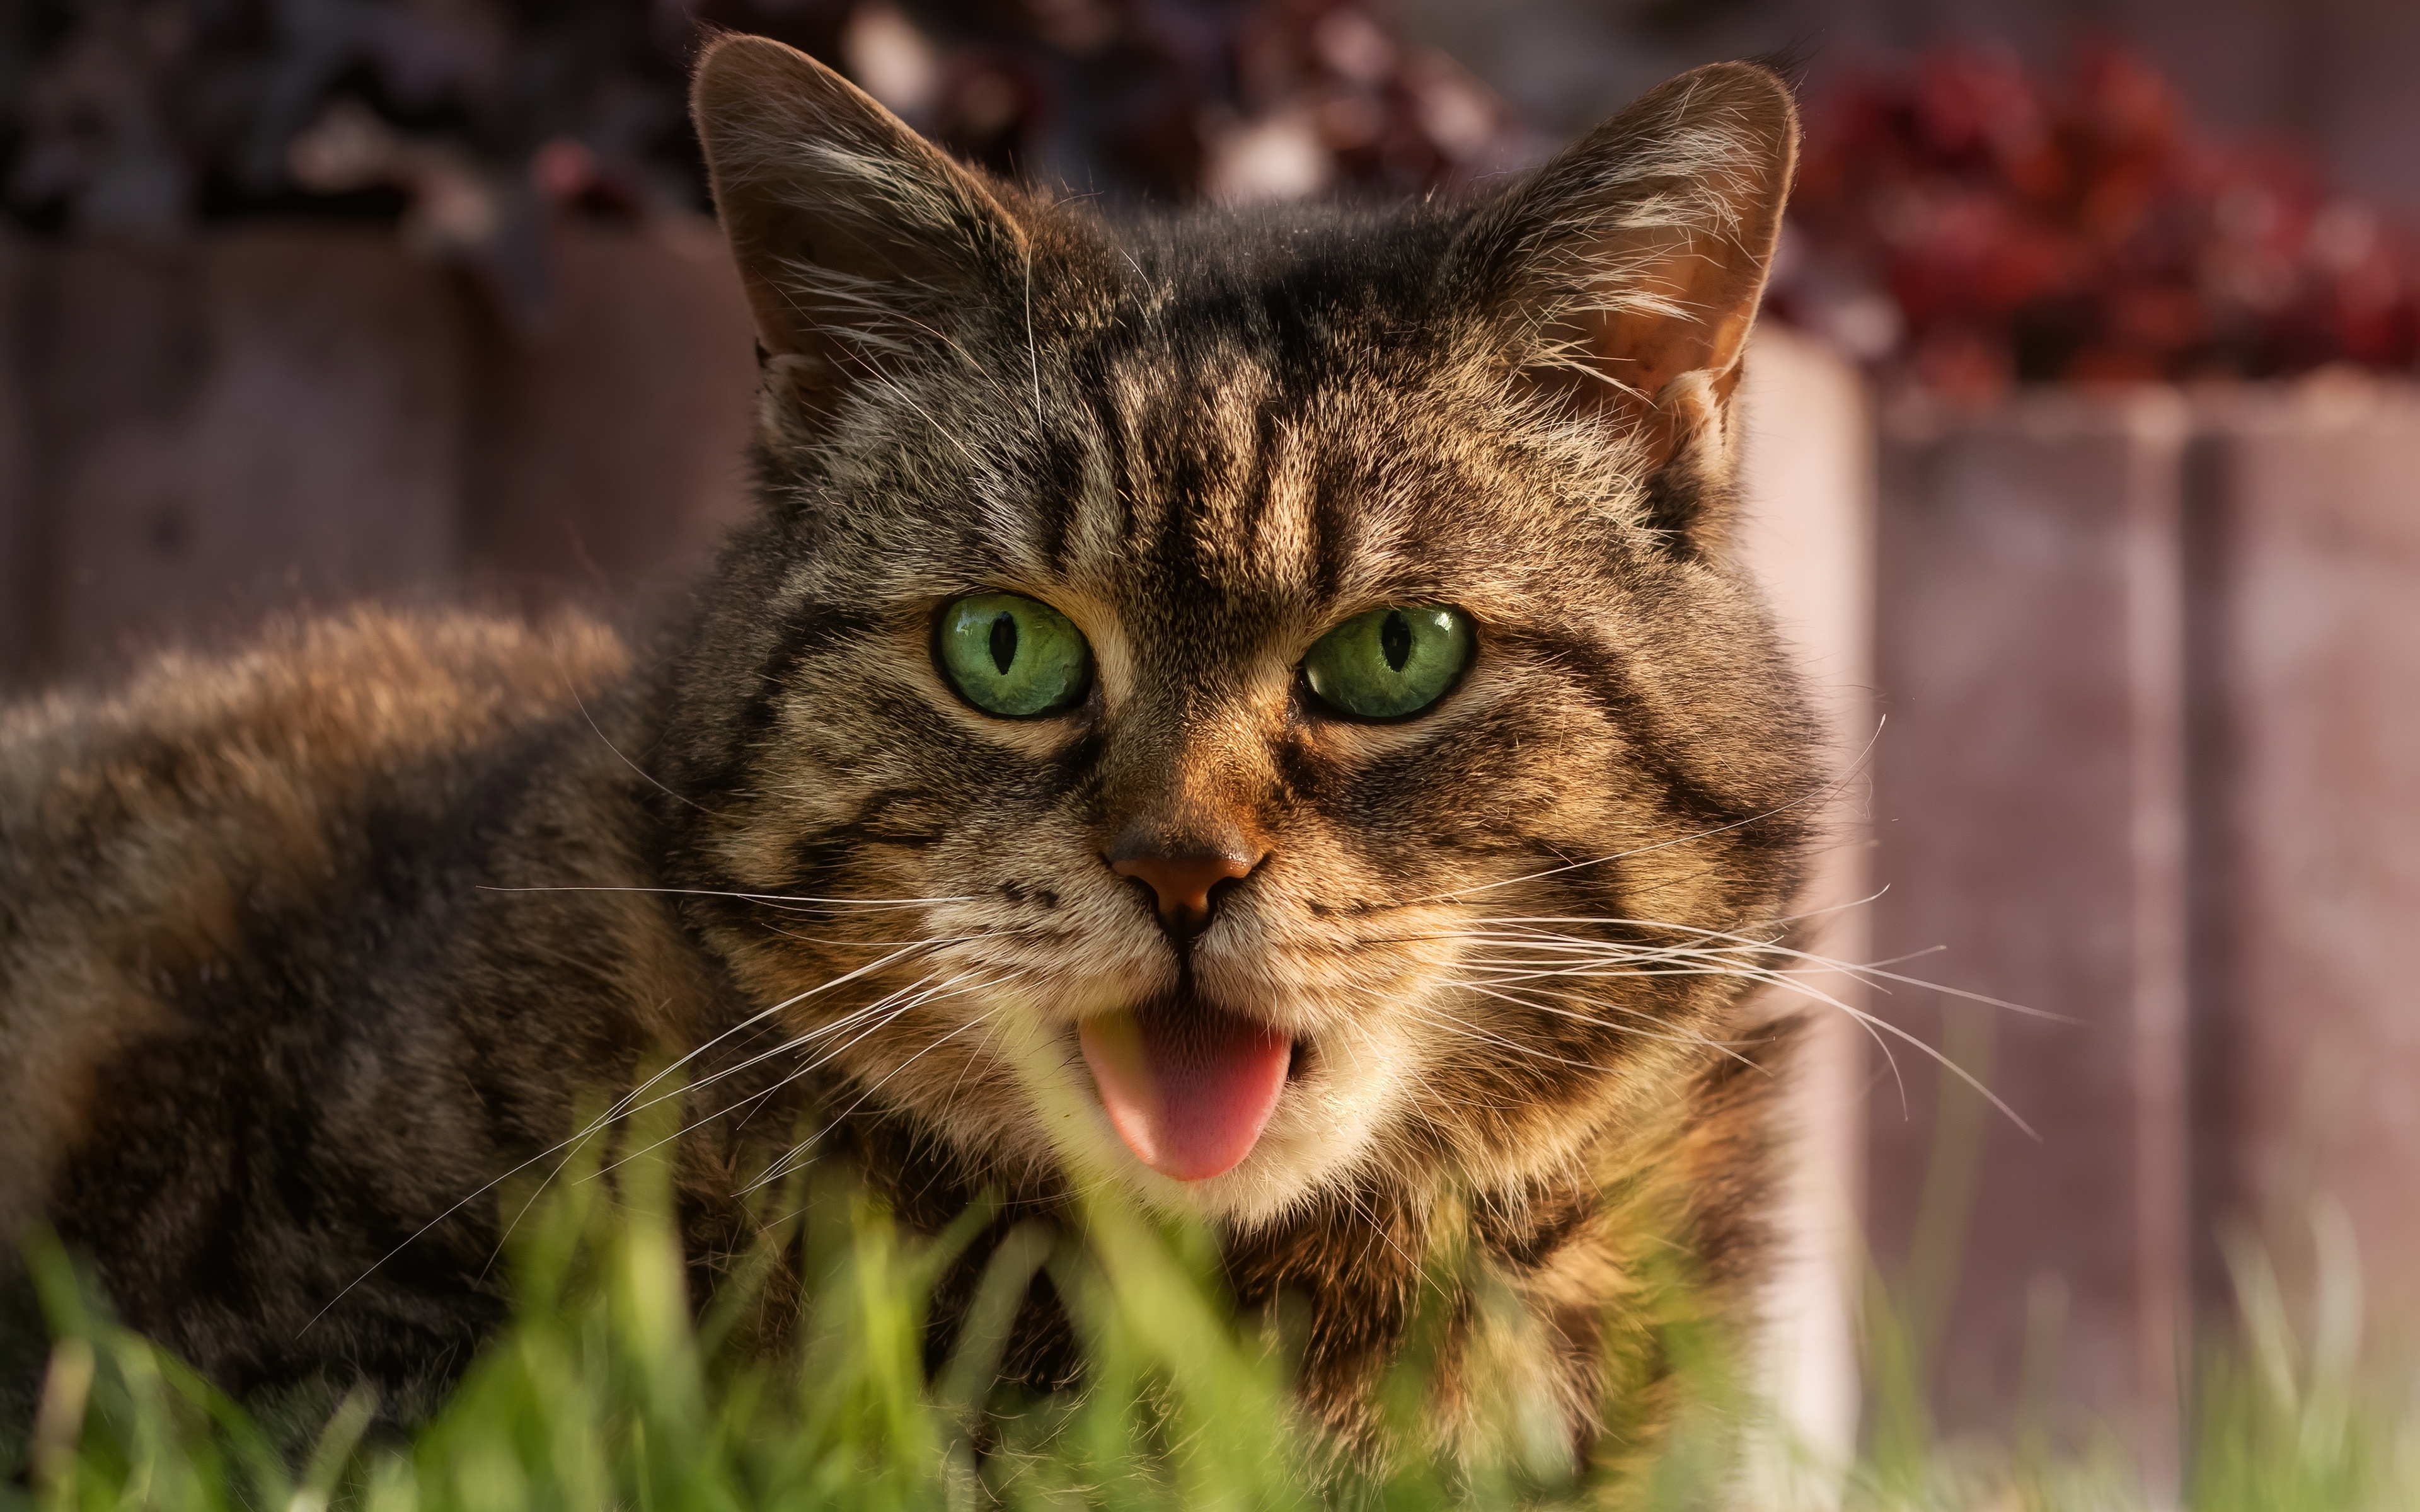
1224	466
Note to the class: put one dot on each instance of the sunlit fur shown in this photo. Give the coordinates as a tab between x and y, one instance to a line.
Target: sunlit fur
1509	935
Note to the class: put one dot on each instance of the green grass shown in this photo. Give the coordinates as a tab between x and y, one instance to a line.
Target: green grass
604	1392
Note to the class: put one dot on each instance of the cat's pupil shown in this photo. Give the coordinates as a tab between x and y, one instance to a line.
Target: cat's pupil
1003	643
1395	640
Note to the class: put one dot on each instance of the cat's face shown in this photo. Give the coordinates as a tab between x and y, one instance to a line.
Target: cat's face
1243	715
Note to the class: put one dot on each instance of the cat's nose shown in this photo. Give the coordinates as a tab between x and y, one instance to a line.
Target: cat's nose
1187	886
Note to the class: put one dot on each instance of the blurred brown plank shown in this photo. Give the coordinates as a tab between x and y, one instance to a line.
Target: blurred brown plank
1806	534
2028	797
611	447
265	417
2308	825
282	417
19	519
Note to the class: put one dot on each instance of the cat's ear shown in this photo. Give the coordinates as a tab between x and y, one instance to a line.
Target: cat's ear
855	237
1624	274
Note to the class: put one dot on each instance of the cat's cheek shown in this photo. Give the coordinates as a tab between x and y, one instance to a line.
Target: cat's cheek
1056	1119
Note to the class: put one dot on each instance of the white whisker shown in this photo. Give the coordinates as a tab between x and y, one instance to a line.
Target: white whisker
1828	962
885	1021
788	1162
778	897
1523	1000
1823	792
623	1107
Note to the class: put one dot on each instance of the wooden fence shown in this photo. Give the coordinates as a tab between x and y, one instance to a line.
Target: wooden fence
193	435
2152	763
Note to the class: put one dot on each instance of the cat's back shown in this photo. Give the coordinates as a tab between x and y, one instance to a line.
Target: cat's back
145	834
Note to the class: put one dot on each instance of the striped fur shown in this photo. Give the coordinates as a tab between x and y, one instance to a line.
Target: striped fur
302	949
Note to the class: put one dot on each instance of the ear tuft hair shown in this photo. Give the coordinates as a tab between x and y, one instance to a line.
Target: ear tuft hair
1626	272
856	239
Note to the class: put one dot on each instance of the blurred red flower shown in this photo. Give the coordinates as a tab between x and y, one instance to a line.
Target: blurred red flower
1973	224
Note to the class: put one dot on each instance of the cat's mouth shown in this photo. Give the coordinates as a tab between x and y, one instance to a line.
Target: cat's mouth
1186	1085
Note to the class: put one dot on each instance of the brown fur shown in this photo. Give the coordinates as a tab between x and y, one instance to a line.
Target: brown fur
303	949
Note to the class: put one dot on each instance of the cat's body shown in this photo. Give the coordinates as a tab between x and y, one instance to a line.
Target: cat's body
255	887
299	951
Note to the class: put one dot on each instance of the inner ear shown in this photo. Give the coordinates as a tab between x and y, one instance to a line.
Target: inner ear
1630	268
856	239
1666	306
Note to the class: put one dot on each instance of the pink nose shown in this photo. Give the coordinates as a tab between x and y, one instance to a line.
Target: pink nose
1183	883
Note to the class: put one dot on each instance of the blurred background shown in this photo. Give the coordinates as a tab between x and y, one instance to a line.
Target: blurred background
2086	471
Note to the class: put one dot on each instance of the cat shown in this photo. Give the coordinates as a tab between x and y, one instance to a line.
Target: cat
1249	708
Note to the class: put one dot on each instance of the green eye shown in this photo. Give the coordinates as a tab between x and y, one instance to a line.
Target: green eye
1012	655
1389	662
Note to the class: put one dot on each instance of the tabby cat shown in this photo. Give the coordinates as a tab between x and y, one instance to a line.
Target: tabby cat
1251	708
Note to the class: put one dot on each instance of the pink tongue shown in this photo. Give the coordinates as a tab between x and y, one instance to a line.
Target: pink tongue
1188	1090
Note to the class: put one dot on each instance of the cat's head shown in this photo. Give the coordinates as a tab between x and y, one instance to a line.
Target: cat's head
1242	704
